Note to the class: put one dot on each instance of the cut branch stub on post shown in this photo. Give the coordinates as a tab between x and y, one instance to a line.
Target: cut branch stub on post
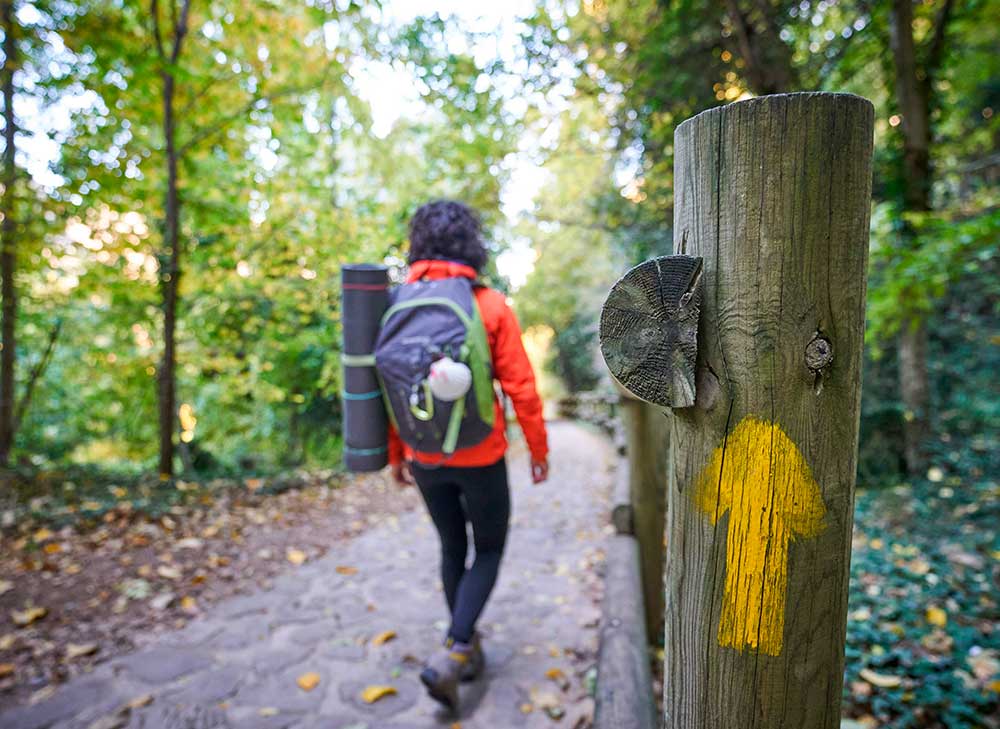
649	330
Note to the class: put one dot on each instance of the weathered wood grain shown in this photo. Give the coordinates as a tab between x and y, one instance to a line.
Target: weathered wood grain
622	514
624	696
773	194
647	432
649	327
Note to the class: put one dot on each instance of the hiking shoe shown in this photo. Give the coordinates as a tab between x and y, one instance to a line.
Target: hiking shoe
443	670
477	662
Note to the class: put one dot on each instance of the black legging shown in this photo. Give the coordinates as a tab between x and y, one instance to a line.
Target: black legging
478	495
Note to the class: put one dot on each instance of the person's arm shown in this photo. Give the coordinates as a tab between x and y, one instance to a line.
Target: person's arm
512	368
399	467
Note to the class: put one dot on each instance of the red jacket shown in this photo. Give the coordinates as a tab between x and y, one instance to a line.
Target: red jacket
510	367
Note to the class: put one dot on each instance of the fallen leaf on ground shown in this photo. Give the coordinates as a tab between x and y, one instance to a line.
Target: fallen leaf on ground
41	535
139	701
308	681
527	708
52	548
162	601
937	616
345	570
171	573
384	637
267	711
882	680
544	699
6	586
28	616
189	543
189	604
75	650
295	556
373	693
6	641
556	675
6	669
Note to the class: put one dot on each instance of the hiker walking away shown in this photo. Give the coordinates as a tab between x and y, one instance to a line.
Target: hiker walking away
448	430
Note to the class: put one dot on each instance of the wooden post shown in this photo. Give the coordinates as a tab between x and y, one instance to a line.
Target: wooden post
647	434
773	194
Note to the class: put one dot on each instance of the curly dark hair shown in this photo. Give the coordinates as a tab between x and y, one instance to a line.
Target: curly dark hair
450	231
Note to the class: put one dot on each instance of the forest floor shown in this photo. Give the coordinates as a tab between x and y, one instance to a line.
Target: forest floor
76	595
81	597
299	649
923	628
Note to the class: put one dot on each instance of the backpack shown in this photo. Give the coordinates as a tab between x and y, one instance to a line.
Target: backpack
426	321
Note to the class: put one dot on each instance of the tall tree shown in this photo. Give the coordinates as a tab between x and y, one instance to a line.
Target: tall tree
168	50
915	74
8	247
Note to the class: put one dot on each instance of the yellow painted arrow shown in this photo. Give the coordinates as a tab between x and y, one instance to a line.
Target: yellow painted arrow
761	478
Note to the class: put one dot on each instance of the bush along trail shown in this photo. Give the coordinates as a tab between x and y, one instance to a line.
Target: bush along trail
337	640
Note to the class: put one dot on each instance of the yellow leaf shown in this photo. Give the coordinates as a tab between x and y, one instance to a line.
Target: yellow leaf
882	680
308	681
345	570
6	669
75	650
384	637
527	708
555	674
937	616
373	693
51	548
6	641
189	604
267	711
295	556
28	616
139	701
6	586
41	535
994	686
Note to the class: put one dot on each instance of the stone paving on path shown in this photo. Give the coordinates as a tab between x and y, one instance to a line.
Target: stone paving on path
238	666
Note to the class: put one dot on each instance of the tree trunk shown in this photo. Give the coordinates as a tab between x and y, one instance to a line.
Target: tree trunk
774	195
912	96
168	283
8	246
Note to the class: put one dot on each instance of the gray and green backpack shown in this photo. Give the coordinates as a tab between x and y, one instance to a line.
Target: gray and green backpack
427	320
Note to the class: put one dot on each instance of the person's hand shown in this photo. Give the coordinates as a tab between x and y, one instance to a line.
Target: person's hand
539	470
402	474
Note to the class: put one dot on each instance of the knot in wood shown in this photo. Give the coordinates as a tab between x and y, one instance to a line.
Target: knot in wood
819	353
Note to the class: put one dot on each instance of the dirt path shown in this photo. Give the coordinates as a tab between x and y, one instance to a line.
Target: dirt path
241	664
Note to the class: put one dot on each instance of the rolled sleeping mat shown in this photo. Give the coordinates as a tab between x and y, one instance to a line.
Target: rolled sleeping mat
364	298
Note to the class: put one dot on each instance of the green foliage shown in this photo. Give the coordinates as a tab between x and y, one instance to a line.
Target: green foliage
922	605
574	355
281	182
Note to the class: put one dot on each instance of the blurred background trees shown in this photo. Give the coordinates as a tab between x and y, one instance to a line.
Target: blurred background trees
932	71
170	265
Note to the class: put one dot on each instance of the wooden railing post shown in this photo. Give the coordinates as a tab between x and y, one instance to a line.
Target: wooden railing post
646	434
773	194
